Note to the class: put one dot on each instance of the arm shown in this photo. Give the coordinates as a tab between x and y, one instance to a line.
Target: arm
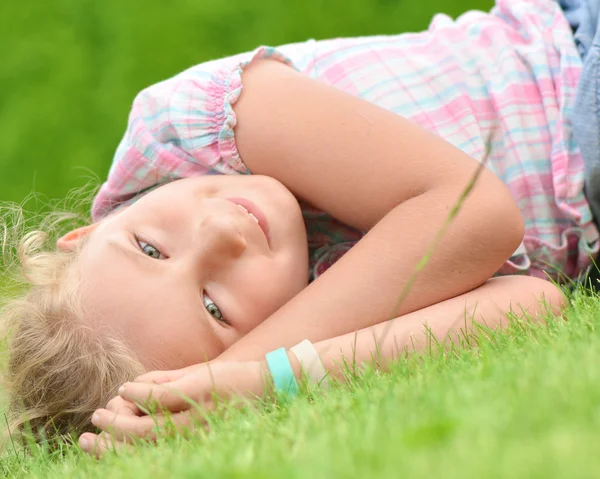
314	139
449	321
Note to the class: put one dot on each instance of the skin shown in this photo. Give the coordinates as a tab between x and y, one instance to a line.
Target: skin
530	299
385	176
288	128
149	269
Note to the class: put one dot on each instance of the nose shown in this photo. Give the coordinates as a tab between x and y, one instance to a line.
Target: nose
219	238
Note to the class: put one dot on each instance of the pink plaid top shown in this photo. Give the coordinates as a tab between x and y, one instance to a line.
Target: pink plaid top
507	78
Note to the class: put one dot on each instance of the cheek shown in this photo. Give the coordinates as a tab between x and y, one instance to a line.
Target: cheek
278	289
176	345
171	337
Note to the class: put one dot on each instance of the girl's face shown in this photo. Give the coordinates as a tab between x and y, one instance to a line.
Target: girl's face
194	265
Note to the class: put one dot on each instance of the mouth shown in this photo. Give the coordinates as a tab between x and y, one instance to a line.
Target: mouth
255	213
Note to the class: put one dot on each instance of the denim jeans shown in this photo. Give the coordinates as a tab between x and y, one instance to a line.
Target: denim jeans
583	16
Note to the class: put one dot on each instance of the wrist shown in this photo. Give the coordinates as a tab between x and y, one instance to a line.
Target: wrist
286	369
267	377
282	371
295	363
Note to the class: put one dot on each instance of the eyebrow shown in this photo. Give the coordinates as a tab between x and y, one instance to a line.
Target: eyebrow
130	253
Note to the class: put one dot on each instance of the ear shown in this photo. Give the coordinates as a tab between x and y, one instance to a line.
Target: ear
71	240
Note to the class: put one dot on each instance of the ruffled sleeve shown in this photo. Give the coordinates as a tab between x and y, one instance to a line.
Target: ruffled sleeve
179	128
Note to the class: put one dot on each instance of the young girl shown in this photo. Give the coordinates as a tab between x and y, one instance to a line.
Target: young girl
289	194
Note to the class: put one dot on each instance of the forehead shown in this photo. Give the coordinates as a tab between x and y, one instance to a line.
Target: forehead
207	183
152	191
127	295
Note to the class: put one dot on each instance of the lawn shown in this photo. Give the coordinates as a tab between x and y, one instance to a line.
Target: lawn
525	403
70	69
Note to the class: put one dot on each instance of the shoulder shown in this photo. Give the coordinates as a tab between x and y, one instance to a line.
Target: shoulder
181	127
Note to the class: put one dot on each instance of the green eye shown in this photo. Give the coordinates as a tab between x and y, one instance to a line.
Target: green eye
150	250
213	309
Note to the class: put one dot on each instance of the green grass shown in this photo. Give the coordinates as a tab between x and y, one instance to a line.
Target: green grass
524	403
71	68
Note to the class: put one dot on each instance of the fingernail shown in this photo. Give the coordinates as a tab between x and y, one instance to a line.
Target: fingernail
95	419
121	390
83	443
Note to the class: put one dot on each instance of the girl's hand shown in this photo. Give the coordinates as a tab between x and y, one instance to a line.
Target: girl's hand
179	399
99	444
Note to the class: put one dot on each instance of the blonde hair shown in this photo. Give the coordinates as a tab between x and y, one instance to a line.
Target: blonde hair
59	369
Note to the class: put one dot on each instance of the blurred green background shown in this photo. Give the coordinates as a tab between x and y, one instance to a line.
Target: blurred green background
71	68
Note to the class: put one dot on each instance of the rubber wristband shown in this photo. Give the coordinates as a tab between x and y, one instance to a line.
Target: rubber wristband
311	363
282	372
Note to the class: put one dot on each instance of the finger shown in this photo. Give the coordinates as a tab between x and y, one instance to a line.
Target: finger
127	428
166	396
97	445
121	406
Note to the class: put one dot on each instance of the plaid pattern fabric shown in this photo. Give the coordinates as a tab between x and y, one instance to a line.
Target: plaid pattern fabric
506	79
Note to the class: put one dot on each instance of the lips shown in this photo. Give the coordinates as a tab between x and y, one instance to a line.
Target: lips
256	212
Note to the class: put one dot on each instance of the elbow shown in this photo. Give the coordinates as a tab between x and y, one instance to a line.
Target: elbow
506	227
515	228
519	227
493	223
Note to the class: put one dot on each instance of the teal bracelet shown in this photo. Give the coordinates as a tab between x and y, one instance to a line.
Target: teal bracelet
281	370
